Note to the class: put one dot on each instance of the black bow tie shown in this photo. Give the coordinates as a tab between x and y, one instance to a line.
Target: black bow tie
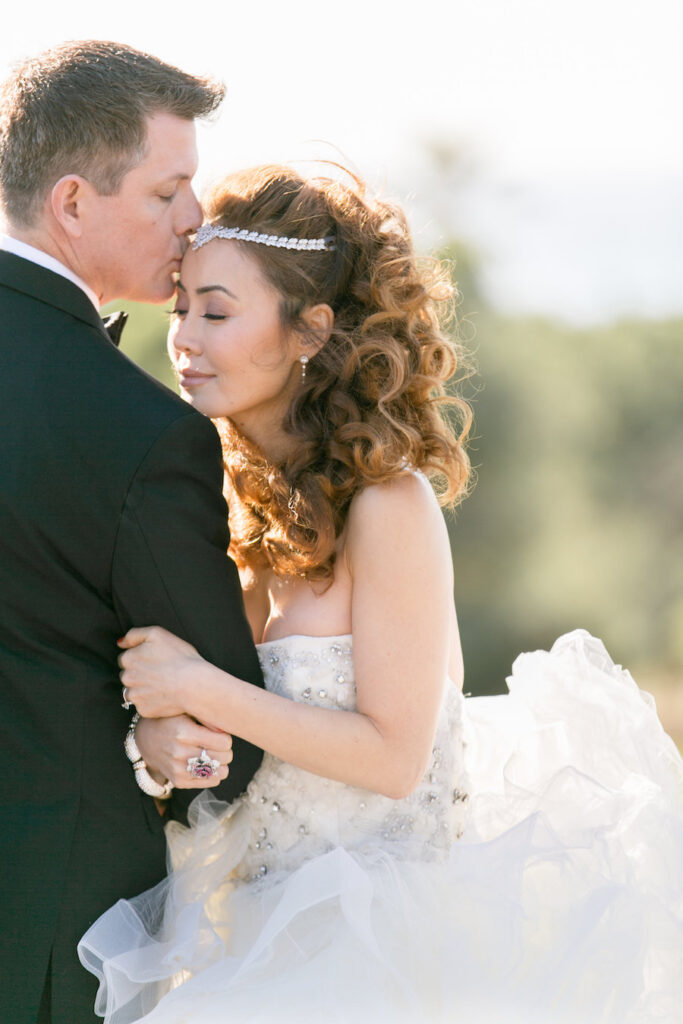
114	324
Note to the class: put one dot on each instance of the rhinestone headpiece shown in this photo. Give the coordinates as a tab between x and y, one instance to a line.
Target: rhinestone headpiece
209	231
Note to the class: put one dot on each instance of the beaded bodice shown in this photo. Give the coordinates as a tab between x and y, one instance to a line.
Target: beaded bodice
295	815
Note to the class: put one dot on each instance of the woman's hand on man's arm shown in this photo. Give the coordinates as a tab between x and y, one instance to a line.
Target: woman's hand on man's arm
166	744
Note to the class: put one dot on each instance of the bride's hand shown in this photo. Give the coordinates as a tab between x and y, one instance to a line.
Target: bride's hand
156	668
166	745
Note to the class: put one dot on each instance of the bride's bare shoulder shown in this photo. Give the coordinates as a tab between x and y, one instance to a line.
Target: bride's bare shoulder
410	492
404	509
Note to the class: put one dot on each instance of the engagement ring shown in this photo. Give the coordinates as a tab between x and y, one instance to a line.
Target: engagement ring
202	767
126	703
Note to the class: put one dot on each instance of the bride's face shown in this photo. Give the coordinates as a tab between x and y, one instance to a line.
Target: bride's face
227	345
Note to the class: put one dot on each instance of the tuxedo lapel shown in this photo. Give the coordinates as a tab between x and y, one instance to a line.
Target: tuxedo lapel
49	288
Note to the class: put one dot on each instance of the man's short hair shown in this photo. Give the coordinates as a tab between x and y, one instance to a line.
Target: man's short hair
82	108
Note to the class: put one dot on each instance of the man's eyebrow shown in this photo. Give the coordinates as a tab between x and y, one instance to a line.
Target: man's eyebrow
173	179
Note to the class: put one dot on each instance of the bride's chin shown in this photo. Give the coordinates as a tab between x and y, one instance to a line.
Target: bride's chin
196	403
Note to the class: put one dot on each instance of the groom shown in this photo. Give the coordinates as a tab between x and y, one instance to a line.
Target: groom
111	512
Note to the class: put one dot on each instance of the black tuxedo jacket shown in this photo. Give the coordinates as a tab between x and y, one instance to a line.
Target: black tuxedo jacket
111	516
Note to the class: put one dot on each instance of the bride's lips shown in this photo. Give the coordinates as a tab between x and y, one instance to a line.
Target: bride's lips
193	378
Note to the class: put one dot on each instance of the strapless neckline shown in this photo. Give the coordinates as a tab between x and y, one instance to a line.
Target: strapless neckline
305	636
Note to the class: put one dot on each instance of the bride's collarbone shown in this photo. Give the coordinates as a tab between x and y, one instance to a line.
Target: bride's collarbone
307	607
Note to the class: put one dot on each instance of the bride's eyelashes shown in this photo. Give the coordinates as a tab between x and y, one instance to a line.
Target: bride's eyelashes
206	316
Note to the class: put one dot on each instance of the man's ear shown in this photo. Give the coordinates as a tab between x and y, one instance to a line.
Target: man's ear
66	203
320	320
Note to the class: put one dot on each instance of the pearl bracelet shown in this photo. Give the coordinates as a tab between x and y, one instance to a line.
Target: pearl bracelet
144	780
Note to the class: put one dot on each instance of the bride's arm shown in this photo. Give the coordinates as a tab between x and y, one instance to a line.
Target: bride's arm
399	558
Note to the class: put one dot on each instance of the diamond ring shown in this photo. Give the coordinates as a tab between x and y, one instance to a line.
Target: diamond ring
126	703
202	767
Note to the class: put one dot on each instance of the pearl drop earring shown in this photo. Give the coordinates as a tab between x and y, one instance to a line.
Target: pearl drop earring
304	363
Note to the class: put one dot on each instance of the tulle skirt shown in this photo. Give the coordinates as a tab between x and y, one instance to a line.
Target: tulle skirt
562	902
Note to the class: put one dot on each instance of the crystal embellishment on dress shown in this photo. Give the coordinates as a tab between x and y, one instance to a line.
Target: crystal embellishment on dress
304	815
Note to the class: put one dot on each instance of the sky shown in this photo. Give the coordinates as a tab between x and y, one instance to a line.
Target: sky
556	125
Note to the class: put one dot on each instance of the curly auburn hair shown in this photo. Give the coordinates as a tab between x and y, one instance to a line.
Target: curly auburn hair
374	401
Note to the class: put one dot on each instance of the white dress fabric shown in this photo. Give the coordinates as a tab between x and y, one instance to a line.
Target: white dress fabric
535	876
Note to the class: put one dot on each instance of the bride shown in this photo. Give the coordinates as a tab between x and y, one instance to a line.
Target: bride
402	854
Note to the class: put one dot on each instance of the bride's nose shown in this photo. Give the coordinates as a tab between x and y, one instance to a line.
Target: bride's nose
184	338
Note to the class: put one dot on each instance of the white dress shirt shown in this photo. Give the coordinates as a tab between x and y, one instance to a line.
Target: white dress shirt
43	259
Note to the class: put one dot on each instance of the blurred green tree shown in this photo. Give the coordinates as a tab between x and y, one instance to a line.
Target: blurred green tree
575	517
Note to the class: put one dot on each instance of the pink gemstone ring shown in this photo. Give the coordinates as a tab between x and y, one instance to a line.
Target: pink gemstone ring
202	767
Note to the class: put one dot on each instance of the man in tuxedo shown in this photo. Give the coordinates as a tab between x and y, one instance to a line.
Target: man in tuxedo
111	512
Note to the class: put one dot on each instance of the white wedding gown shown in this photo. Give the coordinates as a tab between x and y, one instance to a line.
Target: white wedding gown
535	876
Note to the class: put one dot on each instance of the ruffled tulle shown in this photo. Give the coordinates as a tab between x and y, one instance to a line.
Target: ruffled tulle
562	903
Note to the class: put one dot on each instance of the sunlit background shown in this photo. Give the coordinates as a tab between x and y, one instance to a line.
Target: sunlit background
539	143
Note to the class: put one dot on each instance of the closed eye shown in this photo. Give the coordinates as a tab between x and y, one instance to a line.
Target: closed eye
176	312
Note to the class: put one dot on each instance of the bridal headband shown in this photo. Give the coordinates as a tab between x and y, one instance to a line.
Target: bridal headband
209	231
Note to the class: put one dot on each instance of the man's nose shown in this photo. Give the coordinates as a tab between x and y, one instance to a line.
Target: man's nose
189	214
